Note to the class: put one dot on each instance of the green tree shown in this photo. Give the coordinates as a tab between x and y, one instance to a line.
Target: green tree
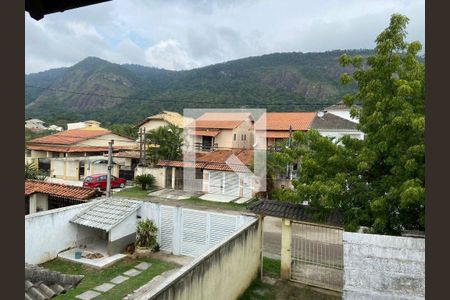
165	143
146	181
379	181
127	130
392	93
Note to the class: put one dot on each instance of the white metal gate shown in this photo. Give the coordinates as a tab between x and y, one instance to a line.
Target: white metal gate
167	227
215	185
317	255
224	183
231	186
247	186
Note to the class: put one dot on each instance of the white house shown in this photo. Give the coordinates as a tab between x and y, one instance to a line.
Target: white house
334	126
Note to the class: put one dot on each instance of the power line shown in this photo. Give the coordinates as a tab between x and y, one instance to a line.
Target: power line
317	104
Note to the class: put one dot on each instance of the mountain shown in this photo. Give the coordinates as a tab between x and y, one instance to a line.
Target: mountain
111	93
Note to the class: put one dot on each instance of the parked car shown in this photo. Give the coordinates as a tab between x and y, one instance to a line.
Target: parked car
98	182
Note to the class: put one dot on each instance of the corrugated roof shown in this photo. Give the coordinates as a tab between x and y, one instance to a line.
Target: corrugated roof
106	214
295	212
331	121
69	137
58	190
42	283
284	120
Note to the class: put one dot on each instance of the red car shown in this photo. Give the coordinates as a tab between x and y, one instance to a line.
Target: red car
98	182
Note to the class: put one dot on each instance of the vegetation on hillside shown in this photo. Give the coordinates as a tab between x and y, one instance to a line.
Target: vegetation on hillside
112	93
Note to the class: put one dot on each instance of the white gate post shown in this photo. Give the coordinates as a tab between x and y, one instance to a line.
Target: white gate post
286	229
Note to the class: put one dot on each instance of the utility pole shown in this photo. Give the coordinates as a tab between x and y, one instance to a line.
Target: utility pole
144	154
289	166
140	146
110	163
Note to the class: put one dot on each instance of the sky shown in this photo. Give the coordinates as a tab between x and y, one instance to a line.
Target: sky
186	34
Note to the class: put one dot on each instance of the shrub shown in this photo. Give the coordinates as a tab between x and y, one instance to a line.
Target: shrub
146	181
146	234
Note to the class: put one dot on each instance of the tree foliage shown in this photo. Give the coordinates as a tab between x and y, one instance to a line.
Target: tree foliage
165	143
146	181
379	181
127	130
146	232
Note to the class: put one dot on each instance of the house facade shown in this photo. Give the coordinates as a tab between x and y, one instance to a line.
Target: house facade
335	127
162	119
73	148
214	131
278	126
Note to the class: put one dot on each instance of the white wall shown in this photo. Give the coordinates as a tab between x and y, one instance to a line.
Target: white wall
383	267
125	228
49	232
340	133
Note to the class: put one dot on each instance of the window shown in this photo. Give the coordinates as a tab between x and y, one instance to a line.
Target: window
245	137
234	137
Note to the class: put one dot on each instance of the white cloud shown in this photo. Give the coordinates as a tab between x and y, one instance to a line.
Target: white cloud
180	34
170	55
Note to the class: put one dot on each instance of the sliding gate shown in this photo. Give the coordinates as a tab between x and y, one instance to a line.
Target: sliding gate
317	255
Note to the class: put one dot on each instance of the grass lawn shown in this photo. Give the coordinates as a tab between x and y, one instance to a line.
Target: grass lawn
95	277
133	192
271	267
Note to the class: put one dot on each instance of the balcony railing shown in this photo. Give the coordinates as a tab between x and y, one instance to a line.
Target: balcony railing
205	147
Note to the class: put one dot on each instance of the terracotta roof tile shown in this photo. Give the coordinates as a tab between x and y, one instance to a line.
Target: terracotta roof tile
69	137
277	134
212	133
59	190
73	149
220	120
283	120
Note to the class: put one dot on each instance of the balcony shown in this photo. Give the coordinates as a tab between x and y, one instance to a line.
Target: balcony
205	147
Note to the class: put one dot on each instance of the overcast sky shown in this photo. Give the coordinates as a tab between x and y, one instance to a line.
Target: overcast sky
177	34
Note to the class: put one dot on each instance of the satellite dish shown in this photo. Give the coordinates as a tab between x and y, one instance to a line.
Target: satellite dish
320	114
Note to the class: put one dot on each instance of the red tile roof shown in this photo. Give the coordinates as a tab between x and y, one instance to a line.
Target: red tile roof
73	149
277	134
59	190
216	160
220	120
283	120
69	137
212	133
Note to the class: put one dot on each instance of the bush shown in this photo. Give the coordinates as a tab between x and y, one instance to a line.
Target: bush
146	234
146	181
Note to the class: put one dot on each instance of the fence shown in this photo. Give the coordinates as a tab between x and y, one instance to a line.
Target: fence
191	232
317	255
222	273
383	267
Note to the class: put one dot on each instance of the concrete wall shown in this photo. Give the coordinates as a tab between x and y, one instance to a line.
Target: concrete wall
340	133
49	232
222	273
383	267
125	228
38	202
153	124
158	173
104	139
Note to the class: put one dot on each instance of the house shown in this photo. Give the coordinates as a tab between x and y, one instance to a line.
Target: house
55	128
340	109
42	196
74	145
164	119
278	126
334	126
213	130
90	124
35	125
221	172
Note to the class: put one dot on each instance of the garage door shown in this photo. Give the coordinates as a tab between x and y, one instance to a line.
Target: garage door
231	187
215	182
247	186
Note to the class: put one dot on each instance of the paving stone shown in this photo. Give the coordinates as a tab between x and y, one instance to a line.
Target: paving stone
119	279
132	272
104	287
143	266
88	295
